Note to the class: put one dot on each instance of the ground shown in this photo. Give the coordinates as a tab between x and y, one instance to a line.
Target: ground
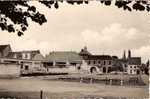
52	89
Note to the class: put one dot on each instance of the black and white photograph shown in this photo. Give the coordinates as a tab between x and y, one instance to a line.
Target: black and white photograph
74	49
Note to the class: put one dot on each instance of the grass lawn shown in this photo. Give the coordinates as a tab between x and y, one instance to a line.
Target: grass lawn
29	88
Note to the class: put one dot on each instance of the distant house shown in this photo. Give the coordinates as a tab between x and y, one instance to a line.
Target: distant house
8	68
101	63
5	50
131	64
30	61
63	62
63	58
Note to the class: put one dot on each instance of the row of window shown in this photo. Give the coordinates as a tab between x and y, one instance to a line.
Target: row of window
132	71
23	56
104	62
132	66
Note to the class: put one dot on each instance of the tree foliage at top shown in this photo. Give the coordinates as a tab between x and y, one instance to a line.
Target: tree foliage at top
14	15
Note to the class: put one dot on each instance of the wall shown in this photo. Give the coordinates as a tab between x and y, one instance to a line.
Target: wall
33	67
132	69
9	70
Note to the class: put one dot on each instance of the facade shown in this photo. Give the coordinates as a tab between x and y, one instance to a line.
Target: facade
30	61
23	54
133	69
9	70
98	63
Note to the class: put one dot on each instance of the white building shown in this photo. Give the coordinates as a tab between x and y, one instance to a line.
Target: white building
31	61
133	69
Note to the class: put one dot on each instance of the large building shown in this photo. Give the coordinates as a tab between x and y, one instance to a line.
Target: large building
101	63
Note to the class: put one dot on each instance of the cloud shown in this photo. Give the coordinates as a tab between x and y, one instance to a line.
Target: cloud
143	51
115	36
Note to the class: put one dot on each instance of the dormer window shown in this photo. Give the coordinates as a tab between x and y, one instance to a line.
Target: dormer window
26	56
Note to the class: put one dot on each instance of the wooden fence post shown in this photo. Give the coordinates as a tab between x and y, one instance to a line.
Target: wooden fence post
121	82
81	80
110	81
41	94
91	80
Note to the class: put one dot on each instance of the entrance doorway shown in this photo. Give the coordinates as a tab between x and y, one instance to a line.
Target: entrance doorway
104	69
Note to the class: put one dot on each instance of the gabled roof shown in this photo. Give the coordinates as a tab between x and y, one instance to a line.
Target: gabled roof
63	56
84	52
134	61
39	57
2	47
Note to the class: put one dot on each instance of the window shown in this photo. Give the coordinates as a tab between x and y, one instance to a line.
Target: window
94	62
89	62
26	67
134	66
26	55
21	66
130	66
99	62
73	64
134	70
125	65
109	62
104	63
131	71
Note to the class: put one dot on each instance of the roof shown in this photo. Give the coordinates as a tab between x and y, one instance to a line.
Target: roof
28	51
63	56
99	57
134	61
19	54
2	47
84	51
39	57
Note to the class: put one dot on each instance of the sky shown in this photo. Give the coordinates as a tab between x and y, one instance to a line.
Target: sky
103	29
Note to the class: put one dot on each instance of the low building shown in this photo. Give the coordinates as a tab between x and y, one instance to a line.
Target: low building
59	60
30	61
